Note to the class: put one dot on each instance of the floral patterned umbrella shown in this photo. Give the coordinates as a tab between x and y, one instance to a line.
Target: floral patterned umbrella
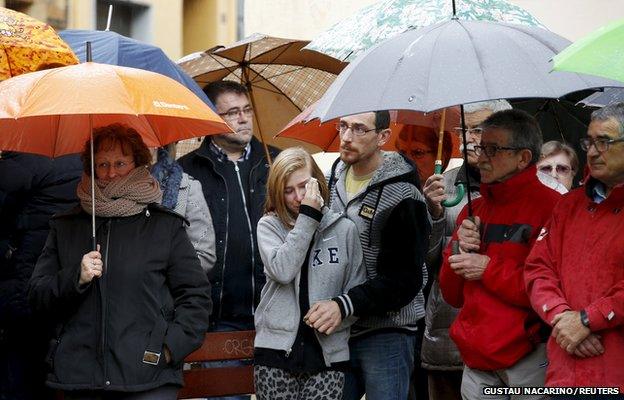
27	45
384	19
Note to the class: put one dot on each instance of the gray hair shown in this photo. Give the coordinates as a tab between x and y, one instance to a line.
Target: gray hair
492	105
554	147
523	127
615	111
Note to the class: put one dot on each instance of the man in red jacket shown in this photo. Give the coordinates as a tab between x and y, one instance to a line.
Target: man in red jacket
575	273
497	333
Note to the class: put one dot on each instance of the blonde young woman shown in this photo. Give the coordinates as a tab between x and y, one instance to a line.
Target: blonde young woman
309	254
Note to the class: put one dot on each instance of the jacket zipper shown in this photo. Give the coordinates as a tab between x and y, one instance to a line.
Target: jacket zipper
251	241
227	227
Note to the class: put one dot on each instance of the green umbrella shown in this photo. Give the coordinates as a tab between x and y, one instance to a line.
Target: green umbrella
599	53
379	21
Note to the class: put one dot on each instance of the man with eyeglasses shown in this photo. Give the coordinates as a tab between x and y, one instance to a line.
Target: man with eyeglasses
500	338
439	354
575	275
233	170
377	190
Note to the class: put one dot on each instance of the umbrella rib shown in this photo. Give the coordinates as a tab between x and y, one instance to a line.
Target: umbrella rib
285	46
276	90
231	69
298	68
279	93
478	58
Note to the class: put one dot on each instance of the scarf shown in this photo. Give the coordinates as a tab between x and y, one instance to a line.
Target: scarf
122	197
168	173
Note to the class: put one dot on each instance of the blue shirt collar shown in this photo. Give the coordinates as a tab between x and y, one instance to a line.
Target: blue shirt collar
599	192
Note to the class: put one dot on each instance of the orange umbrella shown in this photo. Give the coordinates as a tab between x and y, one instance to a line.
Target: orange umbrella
51	112
27	45
325	136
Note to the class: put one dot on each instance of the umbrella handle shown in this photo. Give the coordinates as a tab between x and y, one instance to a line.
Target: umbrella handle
461	189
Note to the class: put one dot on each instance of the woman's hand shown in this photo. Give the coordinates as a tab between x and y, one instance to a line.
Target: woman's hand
313	196
91	266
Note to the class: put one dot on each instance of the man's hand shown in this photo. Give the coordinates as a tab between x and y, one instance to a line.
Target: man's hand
590	347
434	193
324	316
568	330
468	235
470	266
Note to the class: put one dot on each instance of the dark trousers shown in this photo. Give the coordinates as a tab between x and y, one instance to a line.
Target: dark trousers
445	385
167	392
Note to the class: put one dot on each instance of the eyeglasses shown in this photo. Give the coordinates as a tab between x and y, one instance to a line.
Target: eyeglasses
601	144
117	165
469	131
234	113
561	169
490	150
356	129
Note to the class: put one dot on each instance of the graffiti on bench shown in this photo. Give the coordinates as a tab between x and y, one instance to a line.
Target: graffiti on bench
240	348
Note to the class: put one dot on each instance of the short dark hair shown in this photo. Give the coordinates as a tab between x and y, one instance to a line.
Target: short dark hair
523	127
214	89
382	120
107	137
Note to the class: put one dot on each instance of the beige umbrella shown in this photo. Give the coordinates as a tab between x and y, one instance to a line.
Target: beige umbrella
281	78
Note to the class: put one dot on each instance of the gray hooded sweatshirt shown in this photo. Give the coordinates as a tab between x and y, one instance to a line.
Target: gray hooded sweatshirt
335	265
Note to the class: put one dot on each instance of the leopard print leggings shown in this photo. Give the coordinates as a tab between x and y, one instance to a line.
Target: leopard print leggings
278	384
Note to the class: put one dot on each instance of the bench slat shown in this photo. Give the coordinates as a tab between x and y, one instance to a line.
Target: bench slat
219	346
217	382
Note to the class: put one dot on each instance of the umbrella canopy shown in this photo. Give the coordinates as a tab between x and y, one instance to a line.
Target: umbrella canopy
602	99
51	112
451	63
600	53
27	45
325	136
281	78
371	25
112	48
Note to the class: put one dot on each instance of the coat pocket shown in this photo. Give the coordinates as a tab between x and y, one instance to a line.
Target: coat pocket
281	312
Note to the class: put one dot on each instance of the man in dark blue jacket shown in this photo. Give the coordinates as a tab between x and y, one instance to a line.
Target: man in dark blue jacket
32	189
232	169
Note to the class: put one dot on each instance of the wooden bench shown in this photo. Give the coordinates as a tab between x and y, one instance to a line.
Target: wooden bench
212	382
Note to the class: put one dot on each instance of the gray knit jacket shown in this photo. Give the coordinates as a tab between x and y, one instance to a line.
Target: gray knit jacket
335	265
394	228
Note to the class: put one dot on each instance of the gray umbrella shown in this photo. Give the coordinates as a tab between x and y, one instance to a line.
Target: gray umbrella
451	63
601	99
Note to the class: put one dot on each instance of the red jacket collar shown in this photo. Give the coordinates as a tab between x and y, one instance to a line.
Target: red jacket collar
508	190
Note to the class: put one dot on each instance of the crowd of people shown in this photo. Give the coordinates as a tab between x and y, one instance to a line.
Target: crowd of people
354	279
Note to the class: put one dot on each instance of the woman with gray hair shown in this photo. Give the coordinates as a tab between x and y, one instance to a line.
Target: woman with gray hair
560	161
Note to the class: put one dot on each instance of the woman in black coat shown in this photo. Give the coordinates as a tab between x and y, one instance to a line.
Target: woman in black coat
131	311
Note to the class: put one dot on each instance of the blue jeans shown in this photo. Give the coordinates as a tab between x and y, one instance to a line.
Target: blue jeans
382	364
228	326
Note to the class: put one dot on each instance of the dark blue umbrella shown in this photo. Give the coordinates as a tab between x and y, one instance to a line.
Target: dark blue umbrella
112	48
